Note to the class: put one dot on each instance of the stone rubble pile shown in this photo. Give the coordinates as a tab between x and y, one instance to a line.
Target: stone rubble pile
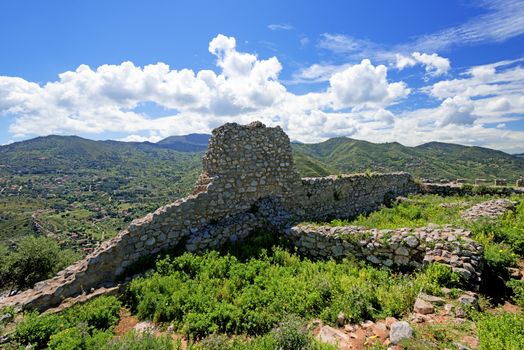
490	209
391	333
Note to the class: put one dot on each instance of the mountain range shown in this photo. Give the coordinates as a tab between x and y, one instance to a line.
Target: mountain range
71	186
435	160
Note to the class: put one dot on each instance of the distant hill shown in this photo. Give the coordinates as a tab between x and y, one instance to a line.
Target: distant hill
70	154
80	190
186	143
72	186
435	160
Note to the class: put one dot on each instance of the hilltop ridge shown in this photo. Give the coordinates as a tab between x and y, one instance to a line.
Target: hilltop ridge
434	159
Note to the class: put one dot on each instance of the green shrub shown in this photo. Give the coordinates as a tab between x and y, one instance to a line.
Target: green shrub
266	342
291	334
85	324
509	229
216	342
34	260
79	338
436	276
210	293
100	313
498	256
139	341
70	338
5	267
503	331
36	330
517	287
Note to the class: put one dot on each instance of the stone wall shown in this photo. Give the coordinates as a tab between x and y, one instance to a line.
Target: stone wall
457	189
248	182
346	196
405	248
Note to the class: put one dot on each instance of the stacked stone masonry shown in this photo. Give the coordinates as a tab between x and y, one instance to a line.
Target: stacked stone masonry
458	189
405	248
248	182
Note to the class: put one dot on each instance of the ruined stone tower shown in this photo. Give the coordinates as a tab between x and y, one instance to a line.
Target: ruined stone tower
248	182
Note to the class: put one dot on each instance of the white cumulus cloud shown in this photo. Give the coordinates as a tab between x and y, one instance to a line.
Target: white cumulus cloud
365	84
434	64
358	101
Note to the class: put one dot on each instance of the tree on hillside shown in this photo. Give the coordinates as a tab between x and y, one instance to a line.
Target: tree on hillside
35	259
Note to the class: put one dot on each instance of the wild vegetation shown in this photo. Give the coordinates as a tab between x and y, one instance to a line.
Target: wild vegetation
79	192
71	193
434	160
261	295
35	259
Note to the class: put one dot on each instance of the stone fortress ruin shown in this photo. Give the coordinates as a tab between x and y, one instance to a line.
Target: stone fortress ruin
249	183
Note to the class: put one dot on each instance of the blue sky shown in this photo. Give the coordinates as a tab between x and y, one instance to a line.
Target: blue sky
406	71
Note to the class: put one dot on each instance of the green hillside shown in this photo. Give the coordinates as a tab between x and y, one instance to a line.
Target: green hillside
80	190
186	143
434	160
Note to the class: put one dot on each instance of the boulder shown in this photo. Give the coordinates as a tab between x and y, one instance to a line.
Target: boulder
469	300
432	299
341	319
333	336
399	331
423	307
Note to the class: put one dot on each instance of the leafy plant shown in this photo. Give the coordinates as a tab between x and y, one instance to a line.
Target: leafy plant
37	330
502	331
139	341
101	313
35	259
517	287
80	338
290	334
84	325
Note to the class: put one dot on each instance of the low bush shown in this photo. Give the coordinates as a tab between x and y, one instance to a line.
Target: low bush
139	341
35	259
437	276
502	331
36	329
509	229
101	313
210	293
290	334
82	324
80	338
517	288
